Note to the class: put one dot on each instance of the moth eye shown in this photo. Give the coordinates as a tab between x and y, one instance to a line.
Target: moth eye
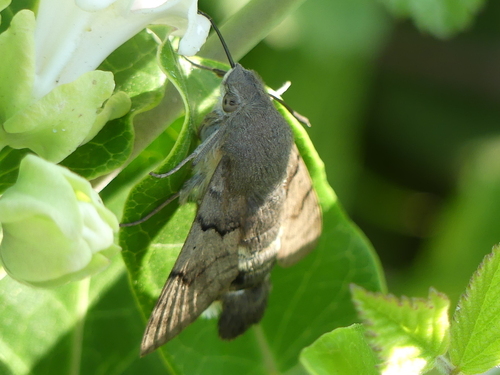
229	103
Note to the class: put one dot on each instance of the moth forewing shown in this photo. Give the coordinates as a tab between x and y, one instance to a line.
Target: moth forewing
206	266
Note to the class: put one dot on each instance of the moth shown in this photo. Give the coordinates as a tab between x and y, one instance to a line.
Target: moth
256	207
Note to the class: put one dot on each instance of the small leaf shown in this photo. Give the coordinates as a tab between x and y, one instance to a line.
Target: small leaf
344	351
443	18
475	332
409	333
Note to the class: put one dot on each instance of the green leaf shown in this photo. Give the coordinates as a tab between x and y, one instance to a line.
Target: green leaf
300	306
344	351
443	18
408	333
475	334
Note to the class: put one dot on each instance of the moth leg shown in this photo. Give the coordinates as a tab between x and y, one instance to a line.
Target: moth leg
152	213
243	308
200	150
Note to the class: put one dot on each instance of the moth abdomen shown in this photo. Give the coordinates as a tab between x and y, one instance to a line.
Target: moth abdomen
243	308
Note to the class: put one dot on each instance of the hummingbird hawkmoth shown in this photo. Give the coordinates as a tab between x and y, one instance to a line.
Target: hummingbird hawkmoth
256	207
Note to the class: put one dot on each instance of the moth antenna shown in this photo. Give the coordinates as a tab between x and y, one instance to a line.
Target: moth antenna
223	42
152	213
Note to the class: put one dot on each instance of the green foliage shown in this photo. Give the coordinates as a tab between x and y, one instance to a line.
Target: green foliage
409	334
413	336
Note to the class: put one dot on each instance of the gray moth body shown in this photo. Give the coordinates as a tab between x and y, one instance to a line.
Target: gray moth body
256	207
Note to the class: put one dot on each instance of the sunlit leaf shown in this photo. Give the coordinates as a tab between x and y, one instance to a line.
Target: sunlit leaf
409	334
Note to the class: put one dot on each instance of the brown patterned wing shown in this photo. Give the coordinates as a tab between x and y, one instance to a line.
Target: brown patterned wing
302	221
206	266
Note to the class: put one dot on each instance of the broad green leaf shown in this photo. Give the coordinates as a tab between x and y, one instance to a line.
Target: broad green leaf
344	351
443	18
300	306
409	334
475	334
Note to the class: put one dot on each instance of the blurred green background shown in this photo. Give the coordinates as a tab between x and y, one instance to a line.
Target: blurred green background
407	125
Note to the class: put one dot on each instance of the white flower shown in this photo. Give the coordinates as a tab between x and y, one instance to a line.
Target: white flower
55	227
74	36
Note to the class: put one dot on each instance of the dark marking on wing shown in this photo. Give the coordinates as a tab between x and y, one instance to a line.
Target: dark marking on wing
230	227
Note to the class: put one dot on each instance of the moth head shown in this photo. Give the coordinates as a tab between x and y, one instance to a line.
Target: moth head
239	87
